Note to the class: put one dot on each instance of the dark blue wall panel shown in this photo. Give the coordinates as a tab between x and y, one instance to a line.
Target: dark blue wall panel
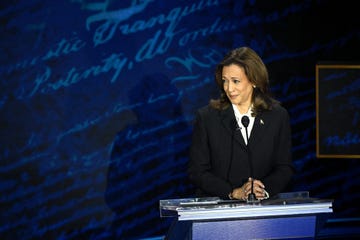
98	96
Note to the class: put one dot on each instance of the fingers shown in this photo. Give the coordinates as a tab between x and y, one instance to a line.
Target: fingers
256	182
244	191
239	193
258	188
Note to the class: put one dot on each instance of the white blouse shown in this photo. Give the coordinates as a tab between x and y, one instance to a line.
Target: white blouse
238	117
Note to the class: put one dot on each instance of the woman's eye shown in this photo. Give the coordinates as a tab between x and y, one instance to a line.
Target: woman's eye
236	81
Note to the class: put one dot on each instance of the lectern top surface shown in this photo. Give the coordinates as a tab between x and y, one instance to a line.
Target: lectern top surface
214	208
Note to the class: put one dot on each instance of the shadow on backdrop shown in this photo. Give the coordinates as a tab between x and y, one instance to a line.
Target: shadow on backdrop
148	161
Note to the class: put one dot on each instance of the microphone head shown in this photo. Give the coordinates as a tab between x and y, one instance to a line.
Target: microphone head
245	121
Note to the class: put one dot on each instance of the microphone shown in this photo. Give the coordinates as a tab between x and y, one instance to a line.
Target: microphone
245	120
252	197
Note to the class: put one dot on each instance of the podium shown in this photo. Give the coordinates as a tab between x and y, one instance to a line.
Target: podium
289	215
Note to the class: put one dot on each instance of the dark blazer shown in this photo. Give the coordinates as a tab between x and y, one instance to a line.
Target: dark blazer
219	160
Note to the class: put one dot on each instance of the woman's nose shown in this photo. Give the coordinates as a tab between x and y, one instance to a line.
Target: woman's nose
230	87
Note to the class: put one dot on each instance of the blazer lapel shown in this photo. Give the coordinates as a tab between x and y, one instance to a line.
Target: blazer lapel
262	122
229	122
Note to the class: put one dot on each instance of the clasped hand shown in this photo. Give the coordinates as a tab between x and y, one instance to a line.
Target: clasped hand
244	191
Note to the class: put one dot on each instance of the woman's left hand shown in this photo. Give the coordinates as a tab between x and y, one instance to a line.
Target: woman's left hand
258	188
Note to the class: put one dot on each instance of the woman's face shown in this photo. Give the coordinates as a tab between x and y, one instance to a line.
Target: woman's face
236	85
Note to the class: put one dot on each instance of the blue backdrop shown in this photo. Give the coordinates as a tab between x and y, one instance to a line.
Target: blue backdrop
98	97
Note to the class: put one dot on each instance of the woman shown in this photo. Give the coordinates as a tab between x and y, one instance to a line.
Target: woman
222	163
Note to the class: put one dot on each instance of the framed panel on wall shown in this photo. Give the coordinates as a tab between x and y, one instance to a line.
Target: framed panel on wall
337	110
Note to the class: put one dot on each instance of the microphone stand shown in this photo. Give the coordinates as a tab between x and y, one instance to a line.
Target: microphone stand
251	197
